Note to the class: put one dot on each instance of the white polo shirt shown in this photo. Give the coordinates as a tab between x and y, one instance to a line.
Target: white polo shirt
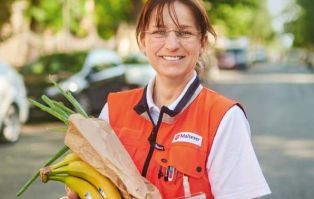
232	165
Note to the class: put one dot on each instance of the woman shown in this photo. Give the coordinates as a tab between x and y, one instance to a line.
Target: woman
184	138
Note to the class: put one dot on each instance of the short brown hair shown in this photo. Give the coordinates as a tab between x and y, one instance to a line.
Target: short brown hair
196	7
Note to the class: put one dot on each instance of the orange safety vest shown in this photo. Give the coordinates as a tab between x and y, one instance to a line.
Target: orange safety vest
172	155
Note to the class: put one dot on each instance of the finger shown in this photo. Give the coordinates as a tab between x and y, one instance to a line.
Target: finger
70	194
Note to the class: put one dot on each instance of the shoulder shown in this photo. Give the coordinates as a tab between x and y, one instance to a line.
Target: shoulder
216	103
235	112
222	103
124	100
125	96
132	92
215	96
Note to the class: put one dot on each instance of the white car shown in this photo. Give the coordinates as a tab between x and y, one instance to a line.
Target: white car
14	106
102	72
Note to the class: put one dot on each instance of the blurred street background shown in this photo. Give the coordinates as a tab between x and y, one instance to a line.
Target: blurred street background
263	57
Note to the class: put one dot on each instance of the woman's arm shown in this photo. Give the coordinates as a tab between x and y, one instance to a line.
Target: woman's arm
233	168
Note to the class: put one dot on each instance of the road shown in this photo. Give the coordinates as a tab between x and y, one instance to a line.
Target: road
279	102
21	160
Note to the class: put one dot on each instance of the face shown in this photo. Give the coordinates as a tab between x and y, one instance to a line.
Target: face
173	56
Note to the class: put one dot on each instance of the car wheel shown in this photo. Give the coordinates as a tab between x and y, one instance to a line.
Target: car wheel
11	126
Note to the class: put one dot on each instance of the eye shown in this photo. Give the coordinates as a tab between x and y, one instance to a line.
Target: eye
184	34
159	33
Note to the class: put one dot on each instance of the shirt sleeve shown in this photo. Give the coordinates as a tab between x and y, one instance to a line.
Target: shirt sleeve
232	166
104	114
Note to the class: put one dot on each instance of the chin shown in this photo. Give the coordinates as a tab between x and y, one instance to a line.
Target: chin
174	75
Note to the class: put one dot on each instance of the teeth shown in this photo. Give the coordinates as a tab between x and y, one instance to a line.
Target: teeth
172	58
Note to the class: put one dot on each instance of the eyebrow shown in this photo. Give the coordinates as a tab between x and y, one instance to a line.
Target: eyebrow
180	27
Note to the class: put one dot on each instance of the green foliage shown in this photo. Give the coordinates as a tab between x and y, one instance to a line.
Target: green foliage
303	26
5	13
55	64
235	19
235	16
47	15
54	15
249	3
241	17
109	14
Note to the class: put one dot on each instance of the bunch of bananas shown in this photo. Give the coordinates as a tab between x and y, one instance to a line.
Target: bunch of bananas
81	178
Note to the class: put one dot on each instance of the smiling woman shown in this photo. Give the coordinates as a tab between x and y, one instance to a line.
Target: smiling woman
184	138
174	37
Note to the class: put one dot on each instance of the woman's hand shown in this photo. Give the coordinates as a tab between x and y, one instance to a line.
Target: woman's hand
70	193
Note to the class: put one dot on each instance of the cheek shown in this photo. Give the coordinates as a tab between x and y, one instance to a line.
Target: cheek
194	50
154	45
152	50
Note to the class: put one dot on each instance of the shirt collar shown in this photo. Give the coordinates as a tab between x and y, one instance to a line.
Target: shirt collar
189	93
172	106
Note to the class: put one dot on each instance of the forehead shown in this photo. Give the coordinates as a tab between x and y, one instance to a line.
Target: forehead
172	14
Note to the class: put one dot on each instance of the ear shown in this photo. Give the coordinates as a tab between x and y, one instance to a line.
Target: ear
204	44
142	44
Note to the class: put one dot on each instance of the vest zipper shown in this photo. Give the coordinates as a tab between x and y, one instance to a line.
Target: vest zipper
152	141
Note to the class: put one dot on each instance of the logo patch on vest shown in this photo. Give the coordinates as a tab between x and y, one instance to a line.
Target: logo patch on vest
188	137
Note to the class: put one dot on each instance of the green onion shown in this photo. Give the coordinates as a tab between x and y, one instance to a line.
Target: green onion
50	111
36	175
60	111
71	99
53	106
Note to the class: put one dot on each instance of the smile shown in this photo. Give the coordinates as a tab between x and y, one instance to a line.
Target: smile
172	58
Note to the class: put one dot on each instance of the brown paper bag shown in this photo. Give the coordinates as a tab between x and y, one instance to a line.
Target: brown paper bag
94	141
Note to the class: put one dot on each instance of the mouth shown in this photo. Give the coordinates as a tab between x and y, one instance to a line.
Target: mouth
172	58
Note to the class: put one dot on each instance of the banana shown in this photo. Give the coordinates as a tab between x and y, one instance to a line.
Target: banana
83	170
66	160
83	189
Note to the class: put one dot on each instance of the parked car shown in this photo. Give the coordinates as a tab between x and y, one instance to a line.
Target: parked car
59	65
226	60
233	58
14	106
103	71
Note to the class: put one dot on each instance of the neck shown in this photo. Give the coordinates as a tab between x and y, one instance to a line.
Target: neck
167	90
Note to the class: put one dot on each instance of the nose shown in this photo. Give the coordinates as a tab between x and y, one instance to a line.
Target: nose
171	41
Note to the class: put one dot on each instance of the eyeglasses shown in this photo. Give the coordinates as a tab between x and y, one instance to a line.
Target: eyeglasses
182	35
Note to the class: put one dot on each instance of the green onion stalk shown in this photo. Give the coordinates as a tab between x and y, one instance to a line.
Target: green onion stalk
61	112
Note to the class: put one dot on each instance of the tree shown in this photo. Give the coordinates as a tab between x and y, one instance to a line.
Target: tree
5	13
303	27
47	15
241	17
57	15
237	17
109	14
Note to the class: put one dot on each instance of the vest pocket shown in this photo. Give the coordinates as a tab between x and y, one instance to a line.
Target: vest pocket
189	163
188	160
